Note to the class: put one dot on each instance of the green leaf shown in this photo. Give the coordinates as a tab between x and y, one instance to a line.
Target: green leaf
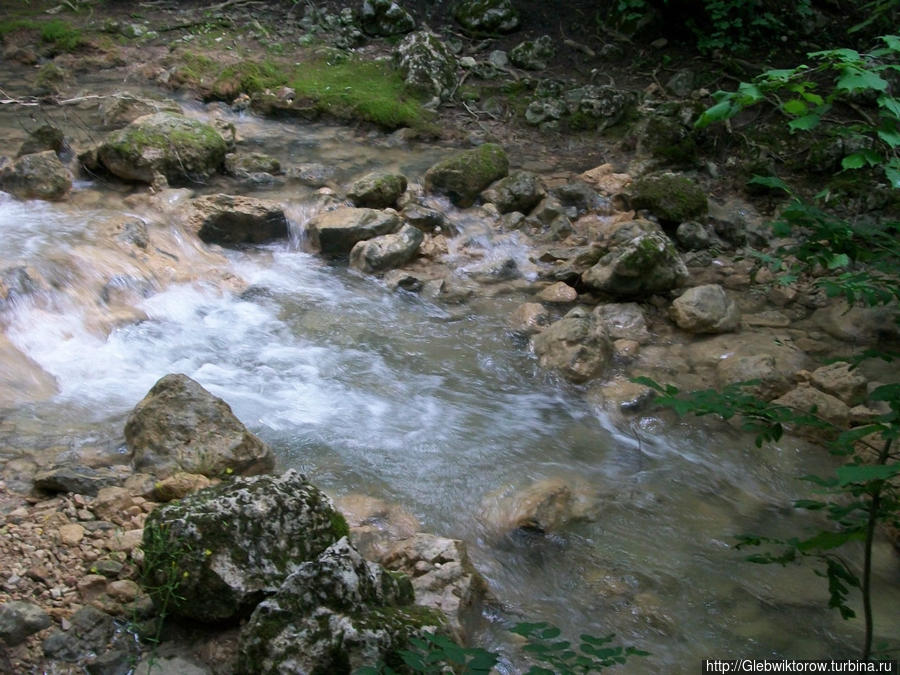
779	75
855	79
720	111
893	176
889	134
795	107
892	41
805	123
863	473
886	392
860	159
771	182
748	94
824	541
890	104
845	55
838	260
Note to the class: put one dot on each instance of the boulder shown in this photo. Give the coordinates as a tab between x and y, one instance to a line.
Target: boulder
805	399
622	321
645	264
387	251
670	197
533	54
247	165
181	149
596	106
462	176
558	293
76	478
19	619
334	614
90	630
427	65
179	426
43	138
120	110
236	543
858	325
443	578
763	369
179	485
544	506
377	190
529	318
705	309
337	232
426	219
375	525
621	395
385	18
229	220
520	191
575	346
841	380
486	16
37	176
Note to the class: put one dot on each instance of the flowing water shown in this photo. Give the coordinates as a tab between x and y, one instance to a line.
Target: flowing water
429	406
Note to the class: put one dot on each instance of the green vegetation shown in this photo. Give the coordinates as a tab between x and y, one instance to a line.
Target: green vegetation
349	89
850	258
61	35
161	573
436	654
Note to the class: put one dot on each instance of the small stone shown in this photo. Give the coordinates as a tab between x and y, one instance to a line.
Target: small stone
20	619
559	293
91	587
123	590
125	541
71	534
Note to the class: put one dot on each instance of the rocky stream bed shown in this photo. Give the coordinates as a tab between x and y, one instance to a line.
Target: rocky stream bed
430	335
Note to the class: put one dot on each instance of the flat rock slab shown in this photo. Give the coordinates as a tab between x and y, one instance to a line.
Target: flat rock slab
229	219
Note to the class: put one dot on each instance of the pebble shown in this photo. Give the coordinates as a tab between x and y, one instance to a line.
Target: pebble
71	534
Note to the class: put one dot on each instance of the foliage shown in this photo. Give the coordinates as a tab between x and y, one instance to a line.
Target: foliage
61	35
806	94
735	25
855	260
161	573
437	654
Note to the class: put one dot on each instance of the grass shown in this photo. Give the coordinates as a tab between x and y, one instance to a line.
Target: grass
349	89
57	32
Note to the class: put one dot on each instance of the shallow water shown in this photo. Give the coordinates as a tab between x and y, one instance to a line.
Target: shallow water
431	407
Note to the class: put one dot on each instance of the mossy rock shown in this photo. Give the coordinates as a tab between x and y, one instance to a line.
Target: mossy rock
377	190
335	614
38	175
463	176
482	17
181	149
670	197
214	555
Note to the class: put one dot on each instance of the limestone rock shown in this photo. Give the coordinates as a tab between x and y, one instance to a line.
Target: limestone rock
154	664
622	395
529	318
805	399
90	630
228	220
596	106
385	18
443	578
375	525
706	309
83	480
533	54
377	190
622	321
179	426
19	619
179	485
558	293
426	219
858	325
838	379
520	191
43	138
771	382
670	197
245	165
37	176
464	175
646	264
574	346
237	542
427	65
333	614
122	109
71	534
486	16
544	506
181	149
336	232
387	251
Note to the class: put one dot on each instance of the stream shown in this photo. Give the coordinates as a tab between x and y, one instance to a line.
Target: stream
426	405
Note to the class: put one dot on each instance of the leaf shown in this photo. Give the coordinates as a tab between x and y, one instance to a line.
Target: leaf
855	79
771	182
795	107
890	104
889	134
748	94
815	99
892	41
838	260
893	176
805	123
857	160
824	541
886	392
843	54
779	74
720	111
863	473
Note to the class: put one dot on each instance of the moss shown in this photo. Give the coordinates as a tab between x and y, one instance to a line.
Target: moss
12	25
248	77
672	198
49	79
339	526
61	35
